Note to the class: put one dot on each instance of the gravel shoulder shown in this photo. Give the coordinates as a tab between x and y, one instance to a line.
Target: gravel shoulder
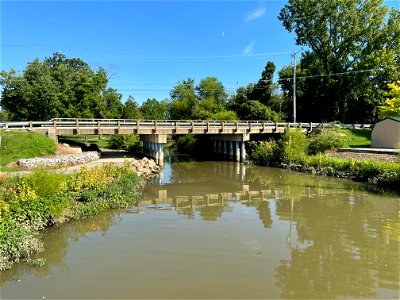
365	156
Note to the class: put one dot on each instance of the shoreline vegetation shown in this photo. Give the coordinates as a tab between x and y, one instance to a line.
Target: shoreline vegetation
47	198
308	153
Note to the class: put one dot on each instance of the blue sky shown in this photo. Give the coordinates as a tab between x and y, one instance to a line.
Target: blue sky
149	46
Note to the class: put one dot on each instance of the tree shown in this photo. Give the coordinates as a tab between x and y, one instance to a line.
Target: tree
183	100
255	110
202	101
113	107
263	90
391	108
212	97
131	109
352	53
58	87
242	96
151	109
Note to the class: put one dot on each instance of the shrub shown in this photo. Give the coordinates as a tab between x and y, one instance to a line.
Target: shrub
16	243
186	143
45	183
265	153
128	142
326	140
293	146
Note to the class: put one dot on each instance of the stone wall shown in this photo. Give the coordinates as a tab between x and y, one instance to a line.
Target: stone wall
59	161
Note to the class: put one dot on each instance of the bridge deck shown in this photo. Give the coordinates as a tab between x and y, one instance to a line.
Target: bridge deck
103	126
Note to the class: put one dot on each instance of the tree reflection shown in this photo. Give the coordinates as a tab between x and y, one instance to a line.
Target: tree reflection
56	242
342	249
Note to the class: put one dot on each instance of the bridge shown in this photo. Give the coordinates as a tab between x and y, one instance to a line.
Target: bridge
228	137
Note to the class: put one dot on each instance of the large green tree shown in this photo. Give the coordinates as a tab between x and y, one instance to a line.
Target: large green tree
352	53
264	89
211	96
183	100
154	110
131	109
58	87
207	100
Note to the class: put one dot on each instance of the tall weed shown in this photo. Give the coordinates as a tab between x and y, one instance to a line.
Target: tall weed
294	146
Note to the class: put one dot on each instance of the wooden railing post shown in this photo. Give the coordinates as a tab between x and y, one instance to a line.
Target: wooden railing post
55	124
98	127
222	127
30	125
237	126
77	126
155	127
208	127
118	126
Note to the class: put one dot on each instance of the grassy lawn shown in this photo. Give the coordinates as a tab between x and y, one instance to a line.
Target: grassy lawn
101	142
23	144
358	138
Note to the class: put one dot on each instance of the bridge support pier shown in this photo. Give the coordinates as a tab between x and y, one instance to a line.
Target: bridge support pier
153	146
230	146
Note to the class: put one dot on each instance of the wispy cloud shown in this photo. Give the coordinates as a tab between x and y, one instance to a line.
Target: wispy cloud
248	50
255	14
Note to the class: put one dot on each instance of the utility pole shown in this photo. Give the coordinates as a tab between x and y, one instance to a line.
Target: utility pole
294	85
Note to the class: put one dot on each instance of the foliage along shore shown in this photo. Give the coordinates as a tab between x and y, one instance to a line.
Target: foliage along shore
44	198
299	152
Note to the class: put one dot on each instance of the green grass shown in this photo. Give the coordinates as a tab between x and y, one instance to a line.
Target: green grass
102	142
23	144
357	138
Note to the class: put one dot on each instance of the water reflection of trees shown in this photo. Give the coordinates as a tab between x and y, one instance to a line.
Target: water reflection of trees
345	240
56	242
349	252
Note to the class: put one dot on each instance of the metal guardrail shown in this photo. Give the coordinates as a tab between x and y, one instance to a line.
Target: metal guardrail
63	123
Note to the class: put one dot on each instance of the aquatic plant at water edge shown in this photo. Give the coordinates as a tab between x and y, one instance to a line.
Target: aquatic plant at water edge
265	153
293	146
28	205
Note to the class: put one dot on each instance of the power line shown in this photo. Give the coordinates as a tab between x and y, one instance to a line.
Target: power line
333	74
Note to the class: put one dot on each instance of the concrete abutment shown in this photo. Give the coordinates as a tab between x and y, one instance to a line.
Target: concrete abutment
153	145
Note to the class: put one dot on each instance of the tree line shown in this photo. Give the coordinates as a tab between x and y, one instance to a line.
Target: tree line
349	71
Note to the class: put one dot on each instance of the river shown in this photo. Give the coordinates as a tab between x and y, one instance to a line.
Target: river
227	231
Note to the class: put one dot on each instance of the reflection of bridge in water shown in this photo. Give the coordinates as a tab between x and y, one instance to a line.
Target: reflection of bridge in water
161	200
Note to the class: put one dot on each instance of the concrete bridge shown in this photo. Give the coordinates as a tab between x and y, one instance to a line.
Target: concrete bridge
228	137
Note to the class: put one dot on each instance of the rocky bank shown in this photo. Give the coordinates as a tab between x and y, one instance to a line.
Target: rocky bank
144	167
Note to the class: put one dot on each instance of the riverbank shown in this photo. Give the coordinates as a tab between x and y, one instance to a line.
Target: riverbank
315	154
44	197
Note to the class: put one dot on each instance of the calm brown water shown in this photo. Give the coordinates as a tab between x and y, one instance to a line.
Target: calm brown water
221	230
